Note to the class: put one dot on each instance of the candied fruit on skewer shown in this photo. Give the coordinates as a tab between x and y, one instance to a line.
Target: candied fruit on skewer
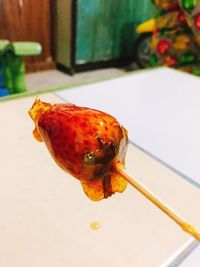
85	142
91	145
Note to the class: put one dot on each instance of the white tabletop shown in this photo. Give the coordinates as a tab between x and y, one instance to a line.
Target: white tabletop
45	217
193	259
160	108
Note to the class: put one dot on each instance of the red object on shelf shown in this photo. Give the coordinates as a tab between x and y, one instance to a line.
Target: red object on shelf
170	61
163	46
181	17
197	21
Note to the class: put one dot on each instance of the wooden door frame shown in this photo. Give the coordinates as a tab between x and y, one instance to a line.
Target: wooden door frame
74	33
67	69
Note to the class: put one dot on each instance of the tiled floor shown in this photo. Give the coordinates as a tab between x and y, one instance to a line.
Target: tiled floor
52	79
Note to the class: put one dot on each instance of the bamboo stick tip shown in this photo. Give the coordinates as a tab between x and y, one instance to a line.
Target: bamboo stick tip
187	227
192	230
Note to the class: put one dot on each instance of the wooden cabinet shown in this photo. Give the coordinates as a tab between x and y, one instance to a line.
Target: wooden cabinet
29	20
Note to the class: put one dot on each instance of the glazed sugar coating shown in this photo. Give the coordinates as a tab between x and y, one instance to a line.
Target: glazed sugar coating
84	142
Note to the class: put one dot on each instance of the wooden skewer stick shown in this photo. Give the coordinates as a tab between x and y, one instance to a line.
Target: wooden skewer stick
187	227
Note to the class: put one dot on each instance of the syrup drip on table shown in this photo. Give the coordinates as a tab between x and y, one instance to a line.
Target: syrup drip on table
95	226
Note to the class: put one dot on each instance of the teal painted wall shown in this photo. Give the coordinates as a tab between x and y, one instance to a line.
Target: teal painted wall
105	28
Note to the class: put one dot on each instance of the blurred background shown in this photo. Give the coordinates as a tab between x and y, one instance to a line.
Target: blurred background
70	36
48	45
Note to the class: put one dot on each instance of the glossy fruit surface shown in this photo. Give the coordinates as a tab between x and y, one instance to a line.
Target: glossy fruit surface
84	142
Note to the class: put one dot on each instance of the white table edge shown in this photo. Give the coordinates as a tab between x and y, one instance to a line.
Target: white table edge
192	244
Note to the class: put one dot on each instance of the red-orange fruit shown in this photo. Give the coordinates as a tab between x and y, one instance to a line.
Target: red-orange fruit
85	142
